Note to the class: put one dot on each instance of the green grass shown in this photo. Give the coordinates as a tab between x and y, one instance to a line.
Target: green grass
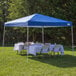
13	64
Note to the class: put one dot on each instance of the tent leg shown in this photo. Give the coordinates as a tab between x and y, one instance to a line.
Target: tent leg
72	40
3	37
27	41
42	34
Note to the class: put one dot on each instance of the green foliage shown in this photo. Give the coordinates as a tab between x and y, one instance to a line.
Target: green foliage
63	9
18	8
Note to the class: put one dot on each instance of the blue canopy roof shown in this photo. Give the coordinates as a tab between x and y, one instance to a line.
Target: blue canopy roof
38	20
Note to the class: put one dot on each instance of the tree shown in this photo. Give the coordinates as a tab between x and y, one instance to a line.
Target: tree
17	9
3	15
63	9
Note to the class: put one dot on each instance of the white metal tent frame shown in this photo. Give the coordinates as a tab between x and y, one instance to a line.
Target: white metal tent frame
42	36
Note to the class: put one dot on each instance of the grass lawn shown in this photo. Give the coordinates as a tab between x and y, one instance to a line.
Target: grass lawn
13	64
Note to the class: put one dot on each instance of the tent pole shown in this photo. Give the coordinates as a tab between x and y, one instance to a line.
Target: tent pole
72	40
42	34
27	41
3	36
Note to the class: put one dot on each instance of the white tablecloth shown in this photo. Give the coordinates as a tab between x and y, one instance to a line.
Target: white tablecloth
19	46
59	48
33	49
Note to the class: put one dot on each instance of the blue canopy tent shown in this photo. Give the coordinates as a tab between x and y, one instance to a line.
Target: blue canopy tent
39	21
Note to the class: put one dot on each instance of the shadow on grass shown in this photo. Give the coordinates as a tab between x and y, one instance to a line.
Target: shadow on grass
58	61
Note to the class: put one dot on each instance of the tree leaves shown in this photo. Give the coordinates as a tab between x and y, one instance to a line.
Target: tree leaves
63	9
